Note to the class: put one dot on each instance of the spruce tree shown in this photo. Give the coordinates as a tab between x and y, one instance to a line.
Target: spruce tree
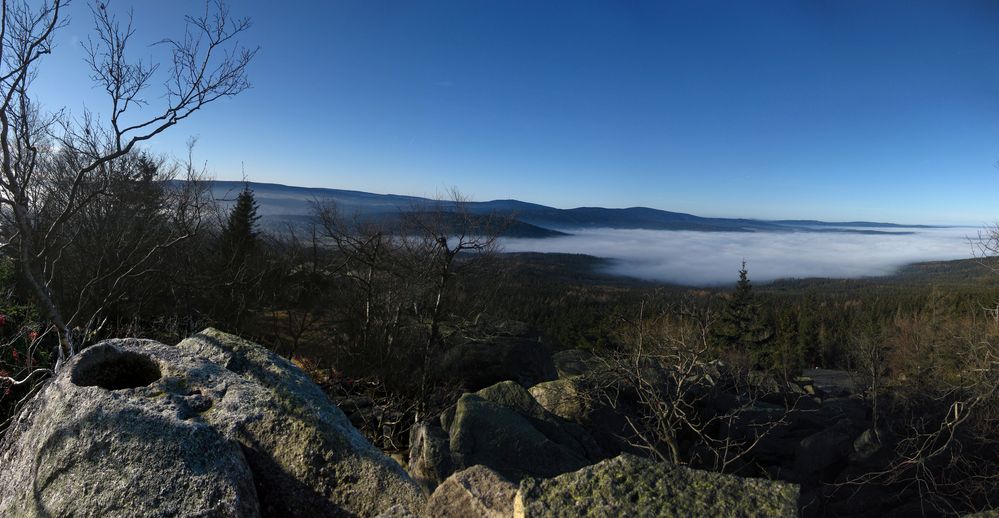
237	270
742	327
239	237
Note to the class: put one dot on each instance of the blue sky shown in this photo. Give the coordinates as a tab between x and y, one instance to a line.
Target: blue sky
805	109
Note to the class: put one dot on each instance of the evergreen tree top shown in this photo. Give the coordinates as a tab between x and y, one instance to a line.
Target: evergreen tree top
240	232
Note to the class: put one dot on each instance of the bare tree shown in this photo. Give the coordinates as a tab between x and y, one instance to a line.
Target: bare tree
945	412
400	273
671	369
52	167
437	236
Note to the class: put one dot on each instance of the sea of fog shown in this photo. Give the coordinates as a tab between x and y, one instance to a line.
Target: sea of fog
707	258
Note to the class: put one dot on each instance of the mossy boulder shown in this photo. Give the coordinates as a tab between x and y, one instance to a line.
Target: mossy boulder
634	486
215	426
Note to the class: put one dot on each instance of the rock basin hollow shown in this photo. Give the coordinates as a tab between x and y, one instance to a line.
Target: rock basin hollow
113	369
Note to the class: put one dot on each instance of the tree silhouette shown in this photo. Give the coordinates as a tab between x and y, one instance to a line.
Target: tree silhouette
238	270
239	236
741	327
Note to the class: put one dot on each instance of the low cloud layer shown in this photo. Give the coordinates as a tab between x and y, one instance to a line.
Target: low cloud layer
709	258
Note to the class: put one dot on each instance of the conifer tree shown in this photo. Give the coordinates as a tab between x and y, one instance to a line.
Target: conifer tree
238	270
239	237
742	327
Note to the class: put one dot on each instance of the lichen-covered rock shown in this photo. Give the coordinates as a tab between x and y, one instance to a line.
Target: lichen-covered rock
477	491
633	486
215	426
502	427
564	397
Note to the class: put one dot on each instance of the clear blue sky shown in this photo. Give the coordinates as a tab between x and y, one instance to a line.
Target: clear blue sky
812	109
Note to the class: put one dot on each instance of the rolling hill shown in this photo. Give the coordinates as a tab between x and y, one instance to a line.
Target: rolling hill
282	204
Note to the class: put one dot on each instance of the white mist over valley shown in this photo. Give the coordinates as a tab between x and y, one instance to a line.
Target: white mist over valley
709	258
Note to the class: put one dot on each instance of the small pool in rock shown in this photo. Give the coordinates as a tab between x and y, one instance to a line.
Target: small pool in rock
111	368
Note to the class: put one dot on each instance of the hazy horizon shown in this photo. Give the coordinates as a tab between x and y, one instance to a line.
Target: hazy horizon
703	213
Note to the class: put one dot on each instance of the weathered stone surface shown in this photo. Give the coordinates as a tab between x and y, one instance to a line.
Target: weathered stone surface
429	455
396	511
579	400
633	486
504	428
479	364
477	491
564	397
215	426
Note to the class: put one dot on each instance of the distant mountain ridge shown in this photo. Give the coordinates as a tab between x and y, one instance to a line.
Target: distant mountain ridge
282	203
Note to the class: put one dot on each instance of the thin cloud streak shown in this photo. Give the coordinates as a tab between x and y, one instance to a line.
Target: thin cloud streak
711	258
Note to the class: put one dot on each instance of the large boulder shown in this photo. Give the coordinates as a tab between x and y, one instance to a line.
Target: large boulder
215	426
504	428
477	491
634	486
477	364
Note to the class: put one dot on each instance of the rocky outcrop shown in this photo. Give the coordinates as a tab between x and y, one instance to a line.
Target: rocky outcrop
504	428
633	486
215	426
477	491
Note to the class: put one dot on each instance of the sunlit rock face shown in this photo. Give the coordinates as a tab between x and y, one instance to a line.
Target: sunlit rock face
214	426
